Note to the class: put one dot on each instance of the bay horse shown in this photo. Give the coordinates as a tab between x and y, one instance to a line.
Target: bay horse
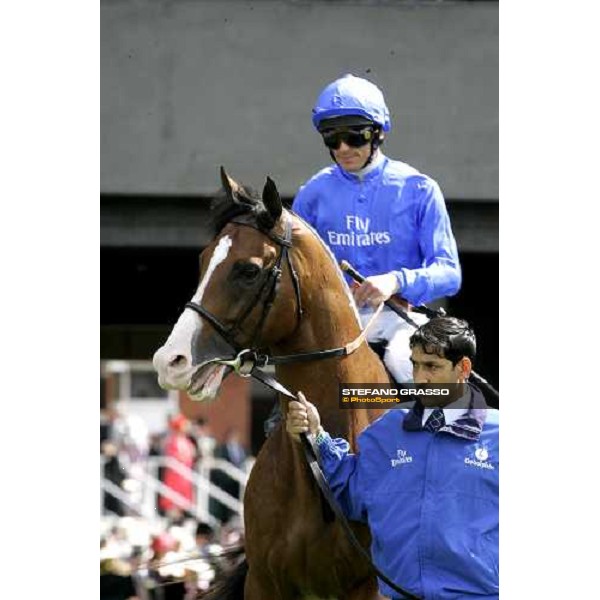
268	281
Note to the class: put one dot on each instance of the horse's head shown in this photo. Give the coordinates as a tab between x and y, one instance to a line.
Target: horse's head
241	294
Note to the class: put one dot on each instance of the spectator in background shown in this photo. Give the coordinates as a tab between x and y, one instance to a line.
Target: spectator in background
232	542
205	536
130	432
114	472
202	437
139	573
116	582
105	426
232	534
117	544
179	448
156	449
233	452
156	445
199	561
166	571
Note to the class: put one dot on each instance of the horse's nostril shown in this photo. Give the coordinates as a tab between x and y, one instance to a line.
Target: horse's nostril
177	361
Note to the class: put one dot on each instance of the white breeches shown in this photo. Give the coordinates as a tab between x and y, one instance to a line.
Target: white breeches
393	328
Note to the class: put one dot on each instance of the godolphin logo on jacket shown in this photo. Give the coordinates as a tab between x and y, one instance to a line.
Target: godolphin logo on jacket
402	458
480	459
358	234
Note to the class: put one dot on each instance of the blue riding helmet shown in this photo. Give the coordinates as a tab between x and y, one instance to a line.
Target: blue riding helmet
351	96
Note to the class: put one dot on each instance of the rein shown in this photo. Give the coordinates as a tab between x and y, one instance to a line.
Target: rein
248	362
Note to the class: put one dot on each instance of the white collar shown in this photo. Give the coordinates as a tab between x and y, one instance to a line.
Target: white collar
377	160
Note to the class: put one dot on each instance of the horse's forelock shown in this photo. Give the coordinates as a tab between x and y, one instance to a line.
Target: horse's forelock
223	208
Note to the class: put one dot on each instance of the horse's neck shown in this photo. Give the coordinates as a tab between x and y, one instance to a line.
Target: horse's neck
330	321
319	380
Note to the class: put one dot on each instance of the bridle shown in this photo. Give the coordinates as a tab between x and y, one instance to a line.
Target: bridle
248	356
249	359
266	293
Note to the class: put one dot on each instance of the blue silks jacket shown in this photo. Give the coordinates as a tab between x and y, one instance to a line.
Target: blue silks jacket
393	219
430	500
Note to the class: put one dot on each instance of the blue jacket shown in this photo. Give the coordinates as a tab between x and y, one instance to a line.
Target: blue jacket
430	500
393	219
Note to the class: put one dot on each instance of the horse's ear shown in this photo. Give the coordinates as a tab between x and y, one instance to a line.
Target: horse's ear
271	200
229	185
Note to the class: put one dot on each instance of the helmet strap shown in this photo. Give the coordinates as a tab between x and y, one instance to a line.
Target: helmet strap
375	143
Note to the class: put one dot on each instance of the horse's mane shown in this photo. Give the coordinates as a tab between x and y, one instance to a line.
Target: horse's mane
245	201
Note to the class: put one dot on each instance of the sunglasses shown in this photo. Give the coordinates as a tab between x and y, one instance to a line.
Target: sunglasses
355	138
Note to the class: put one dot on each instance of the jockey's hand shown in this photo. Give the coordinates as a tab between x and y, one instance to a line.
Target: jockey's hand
375	289
302	416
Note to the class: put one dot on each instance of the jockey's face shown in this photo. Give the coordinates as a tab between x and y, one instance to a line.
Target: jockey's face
431	368
352	159
350	145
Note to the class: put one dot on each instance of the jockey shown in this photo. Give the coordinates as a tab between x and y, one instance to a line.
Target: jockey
381	215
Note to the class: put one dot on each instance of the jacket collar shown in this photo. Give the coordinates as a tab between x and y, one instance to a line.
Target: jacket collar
468	426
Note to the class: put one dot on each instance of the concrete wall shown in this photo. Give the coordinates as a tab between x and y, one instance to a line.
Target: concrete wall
188	86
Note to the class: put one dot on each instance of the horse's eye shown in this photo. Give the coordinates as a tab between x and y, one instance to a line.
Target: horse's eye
246	272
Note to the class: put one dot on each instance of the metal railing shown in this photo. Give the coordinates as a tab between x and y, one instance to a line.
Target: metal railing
140	494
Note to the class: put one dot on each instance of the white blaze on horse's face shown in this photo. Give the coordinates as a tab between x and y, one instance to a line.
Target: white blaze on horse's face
174	361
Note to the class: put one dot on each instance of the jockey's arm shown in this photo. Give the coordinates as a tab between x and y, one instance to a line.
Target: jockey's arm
440	274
